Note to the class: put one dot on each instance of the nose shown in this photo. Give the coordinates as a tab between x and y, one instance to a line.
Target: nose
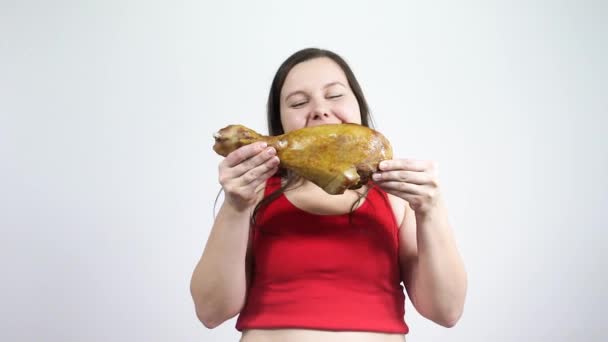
320	112
317	115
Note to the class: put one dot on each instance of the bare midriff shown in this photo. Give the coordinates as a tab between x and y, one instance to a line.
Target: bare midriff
305	335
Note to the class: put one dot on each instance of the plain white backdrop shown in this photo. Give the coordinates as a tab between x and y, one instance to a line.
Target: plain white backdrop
107	177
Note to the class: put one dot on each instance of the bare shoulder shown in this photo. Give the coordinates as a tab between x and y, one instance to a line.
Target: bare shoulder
403	213
399	206
407	227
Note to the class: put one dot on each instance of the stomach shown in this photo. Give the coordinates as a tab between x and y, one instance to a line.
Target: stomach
307	335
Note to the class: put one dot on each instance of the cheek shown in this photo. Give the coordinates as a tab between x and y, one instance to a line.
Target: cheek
350	112
292	119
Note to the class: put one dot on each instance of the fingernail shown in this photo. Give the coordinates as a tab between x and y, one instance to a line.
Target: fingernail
376	176
270	151
263	145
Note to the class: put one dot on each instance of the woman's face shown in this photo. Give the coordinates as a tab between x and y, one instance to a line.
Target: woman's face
316	92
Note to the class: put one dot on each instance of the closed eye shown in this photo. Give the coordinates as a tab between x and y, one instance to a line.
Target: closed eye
334	96
298	104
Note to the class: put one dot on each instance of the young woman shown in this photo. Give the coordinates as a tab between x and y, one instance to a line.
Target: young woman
298	264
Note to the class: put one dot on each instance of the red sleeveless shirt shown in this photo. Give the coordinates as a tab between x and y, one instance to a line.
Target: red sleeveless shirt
326	272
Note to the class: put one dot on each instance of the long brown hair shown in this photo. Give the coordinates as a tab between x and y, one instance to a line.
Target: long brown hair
275	127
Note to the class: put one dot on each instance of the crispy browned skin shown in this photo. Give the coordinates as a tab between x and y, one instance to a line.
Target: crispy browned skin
335	157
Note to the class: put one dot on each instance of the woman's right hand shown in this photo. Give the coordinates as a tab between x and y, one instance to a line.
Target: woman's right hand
244	170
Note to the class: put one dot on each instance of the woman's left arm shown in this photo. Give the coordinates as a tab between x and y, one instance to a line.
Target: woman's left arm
432	269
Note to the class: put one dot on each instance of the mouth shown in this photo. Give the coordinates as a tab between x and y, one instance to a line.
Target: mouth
314	124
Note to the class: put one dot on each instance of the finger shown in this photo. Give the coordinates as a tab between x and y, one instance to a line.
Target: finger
259	183
255	161
408	188
243	153
259	171
413	201
405	164
414	177
404	195
261	178
232	174
260	187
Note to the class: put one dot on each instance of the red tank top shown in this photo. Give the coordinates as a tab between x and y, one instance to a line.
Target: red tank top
325	272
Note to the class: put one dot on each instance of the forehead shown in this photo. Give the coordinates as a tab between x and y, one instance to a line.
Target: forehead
313	74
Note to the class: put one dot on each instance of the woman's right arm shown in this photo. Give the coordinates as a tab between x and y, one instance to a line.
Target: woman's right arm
219	281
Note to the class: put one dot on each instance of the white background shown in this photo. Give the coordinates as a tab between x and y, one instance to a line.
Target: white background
107	177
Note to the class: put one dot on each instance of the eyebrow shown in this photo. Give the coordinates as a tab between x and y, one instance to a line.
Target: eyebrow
324	87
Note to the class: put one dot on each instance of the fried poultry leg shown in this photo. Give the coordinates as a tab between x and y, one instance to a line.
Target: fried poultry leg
335	157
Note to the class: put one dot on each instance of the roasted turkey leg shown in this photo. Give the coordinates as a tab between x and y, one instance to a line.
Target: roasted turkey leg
335	157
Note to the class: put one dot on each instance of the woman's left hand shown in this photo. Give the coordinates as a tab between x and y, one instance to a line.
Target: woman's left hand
413	180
